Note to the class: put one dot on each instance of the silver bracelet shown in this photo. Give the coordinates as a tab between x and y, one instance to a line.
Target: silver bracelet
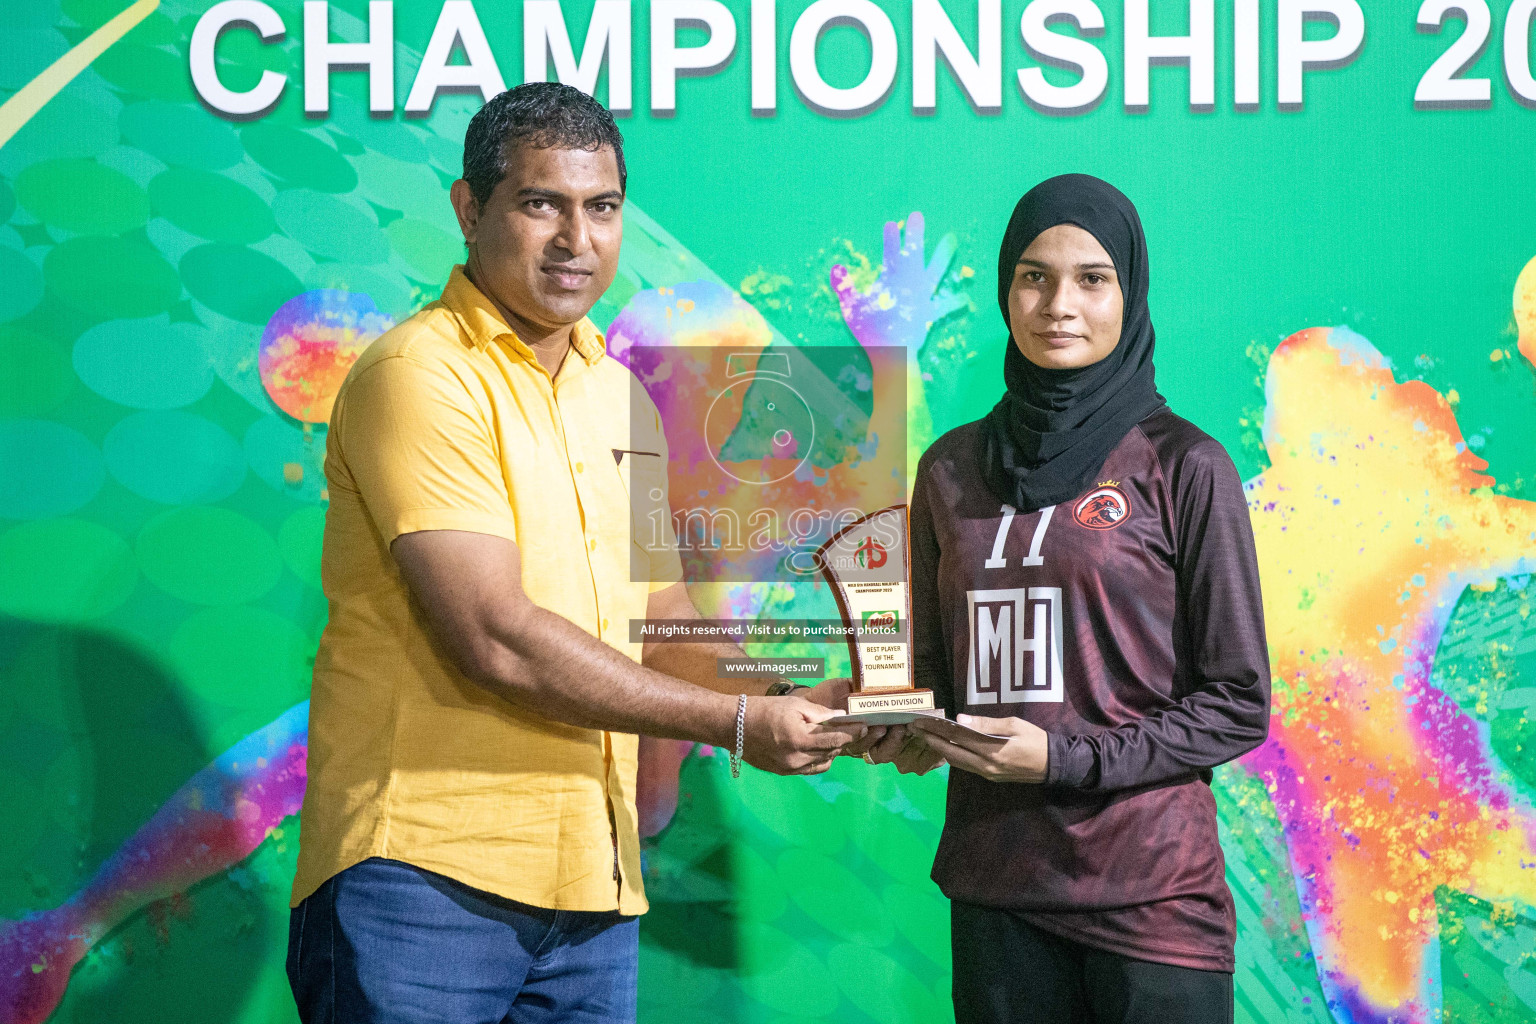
741	735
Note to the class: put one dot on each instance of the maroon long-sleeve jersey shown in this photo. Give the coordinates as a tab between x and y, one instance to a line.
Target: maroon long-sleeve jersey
1127	624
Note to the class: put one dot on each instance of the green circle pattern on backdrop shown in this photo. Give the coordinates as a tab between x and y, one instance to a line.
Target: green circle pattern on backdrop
887	840
799	822
761	895
782	974
359	127
37	374
410	187
242	657
834	898
240	283
298	158
181	136
431	251
390	290
108	278
148	70
682	982
42	15
299	540
145	364
26	54
211	206
71	124
90	12
46	469
174	458
880	986
921	916
330	227
64	570
23	285
272	445
208	555
82	196
28	812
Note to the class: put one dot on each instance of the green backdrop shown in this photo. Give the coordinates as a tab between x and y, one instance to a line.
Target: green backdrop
161	500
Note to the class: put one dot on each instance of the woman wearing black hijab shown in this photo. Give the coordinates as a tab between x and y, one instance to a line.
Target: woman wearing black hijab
1085	590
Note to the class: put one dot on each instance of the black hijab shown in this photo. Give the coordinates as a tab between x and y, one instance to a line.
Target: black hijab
1047	438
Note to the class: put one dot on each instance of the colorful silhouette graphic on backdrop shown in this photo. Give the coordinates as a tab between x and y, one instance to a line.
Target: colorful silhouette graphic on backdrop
1372	519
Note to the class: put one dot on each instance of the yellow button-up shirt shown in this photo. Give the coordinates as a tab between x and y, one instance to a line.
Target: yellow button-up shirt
448	422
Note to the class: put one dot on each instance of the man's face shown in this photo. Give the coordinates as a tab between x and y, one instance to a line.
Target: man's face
545	246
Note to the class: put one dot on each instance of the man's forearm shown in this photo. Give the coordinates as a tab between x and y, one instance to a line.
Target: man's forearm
550	666
698	663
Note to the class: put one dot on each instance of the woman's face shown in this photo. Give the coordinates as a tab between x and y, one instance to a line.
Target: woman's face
1065	305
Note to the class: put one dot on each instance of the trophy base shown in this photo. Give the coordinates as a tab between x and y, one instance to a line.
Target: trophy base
890	707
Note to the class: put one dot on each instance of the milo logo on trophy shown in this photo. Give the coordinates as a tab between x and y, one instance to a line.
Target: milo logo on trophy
865	564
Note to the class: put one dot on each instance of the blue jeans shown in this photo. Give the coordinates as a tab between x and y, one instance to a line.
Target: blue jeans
387	943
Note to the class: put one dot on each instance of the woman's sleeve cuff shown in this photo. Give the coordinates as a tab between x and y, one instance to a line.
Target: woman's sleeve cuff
1069	761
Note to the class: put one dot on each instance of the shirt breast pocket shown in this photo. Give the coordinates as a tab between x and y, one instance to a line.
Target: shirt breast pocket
640	471
644	476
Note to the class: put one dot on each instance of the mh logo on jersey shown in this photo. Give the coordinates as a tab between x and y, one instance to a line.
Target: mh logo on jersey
1103	508
1015	654
871	554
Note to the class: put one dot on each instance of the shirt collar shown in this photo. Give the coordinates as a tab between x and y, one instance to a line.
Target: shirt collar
485	325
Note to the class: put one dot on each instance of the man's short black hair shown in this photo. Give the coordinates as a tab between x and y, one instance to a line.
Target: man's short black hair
544	115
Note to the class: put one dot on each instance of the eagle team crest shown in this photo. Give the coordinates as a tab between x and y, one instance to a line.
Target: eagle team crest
1103	508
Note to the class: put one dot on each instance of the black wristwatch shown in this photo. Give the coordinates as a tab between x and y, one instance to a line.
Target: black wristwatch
784	686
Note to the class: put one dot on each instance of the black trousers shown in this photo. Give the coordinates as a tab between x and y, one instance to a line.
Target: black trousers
1010	972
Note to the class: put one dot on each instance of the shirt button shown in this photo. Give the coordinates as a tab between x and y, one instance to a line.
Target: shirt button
605	623
592	545
579	467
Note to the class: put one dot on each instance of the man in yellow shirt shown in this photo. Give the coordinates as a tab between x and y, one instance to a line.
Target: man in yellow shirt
468	847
